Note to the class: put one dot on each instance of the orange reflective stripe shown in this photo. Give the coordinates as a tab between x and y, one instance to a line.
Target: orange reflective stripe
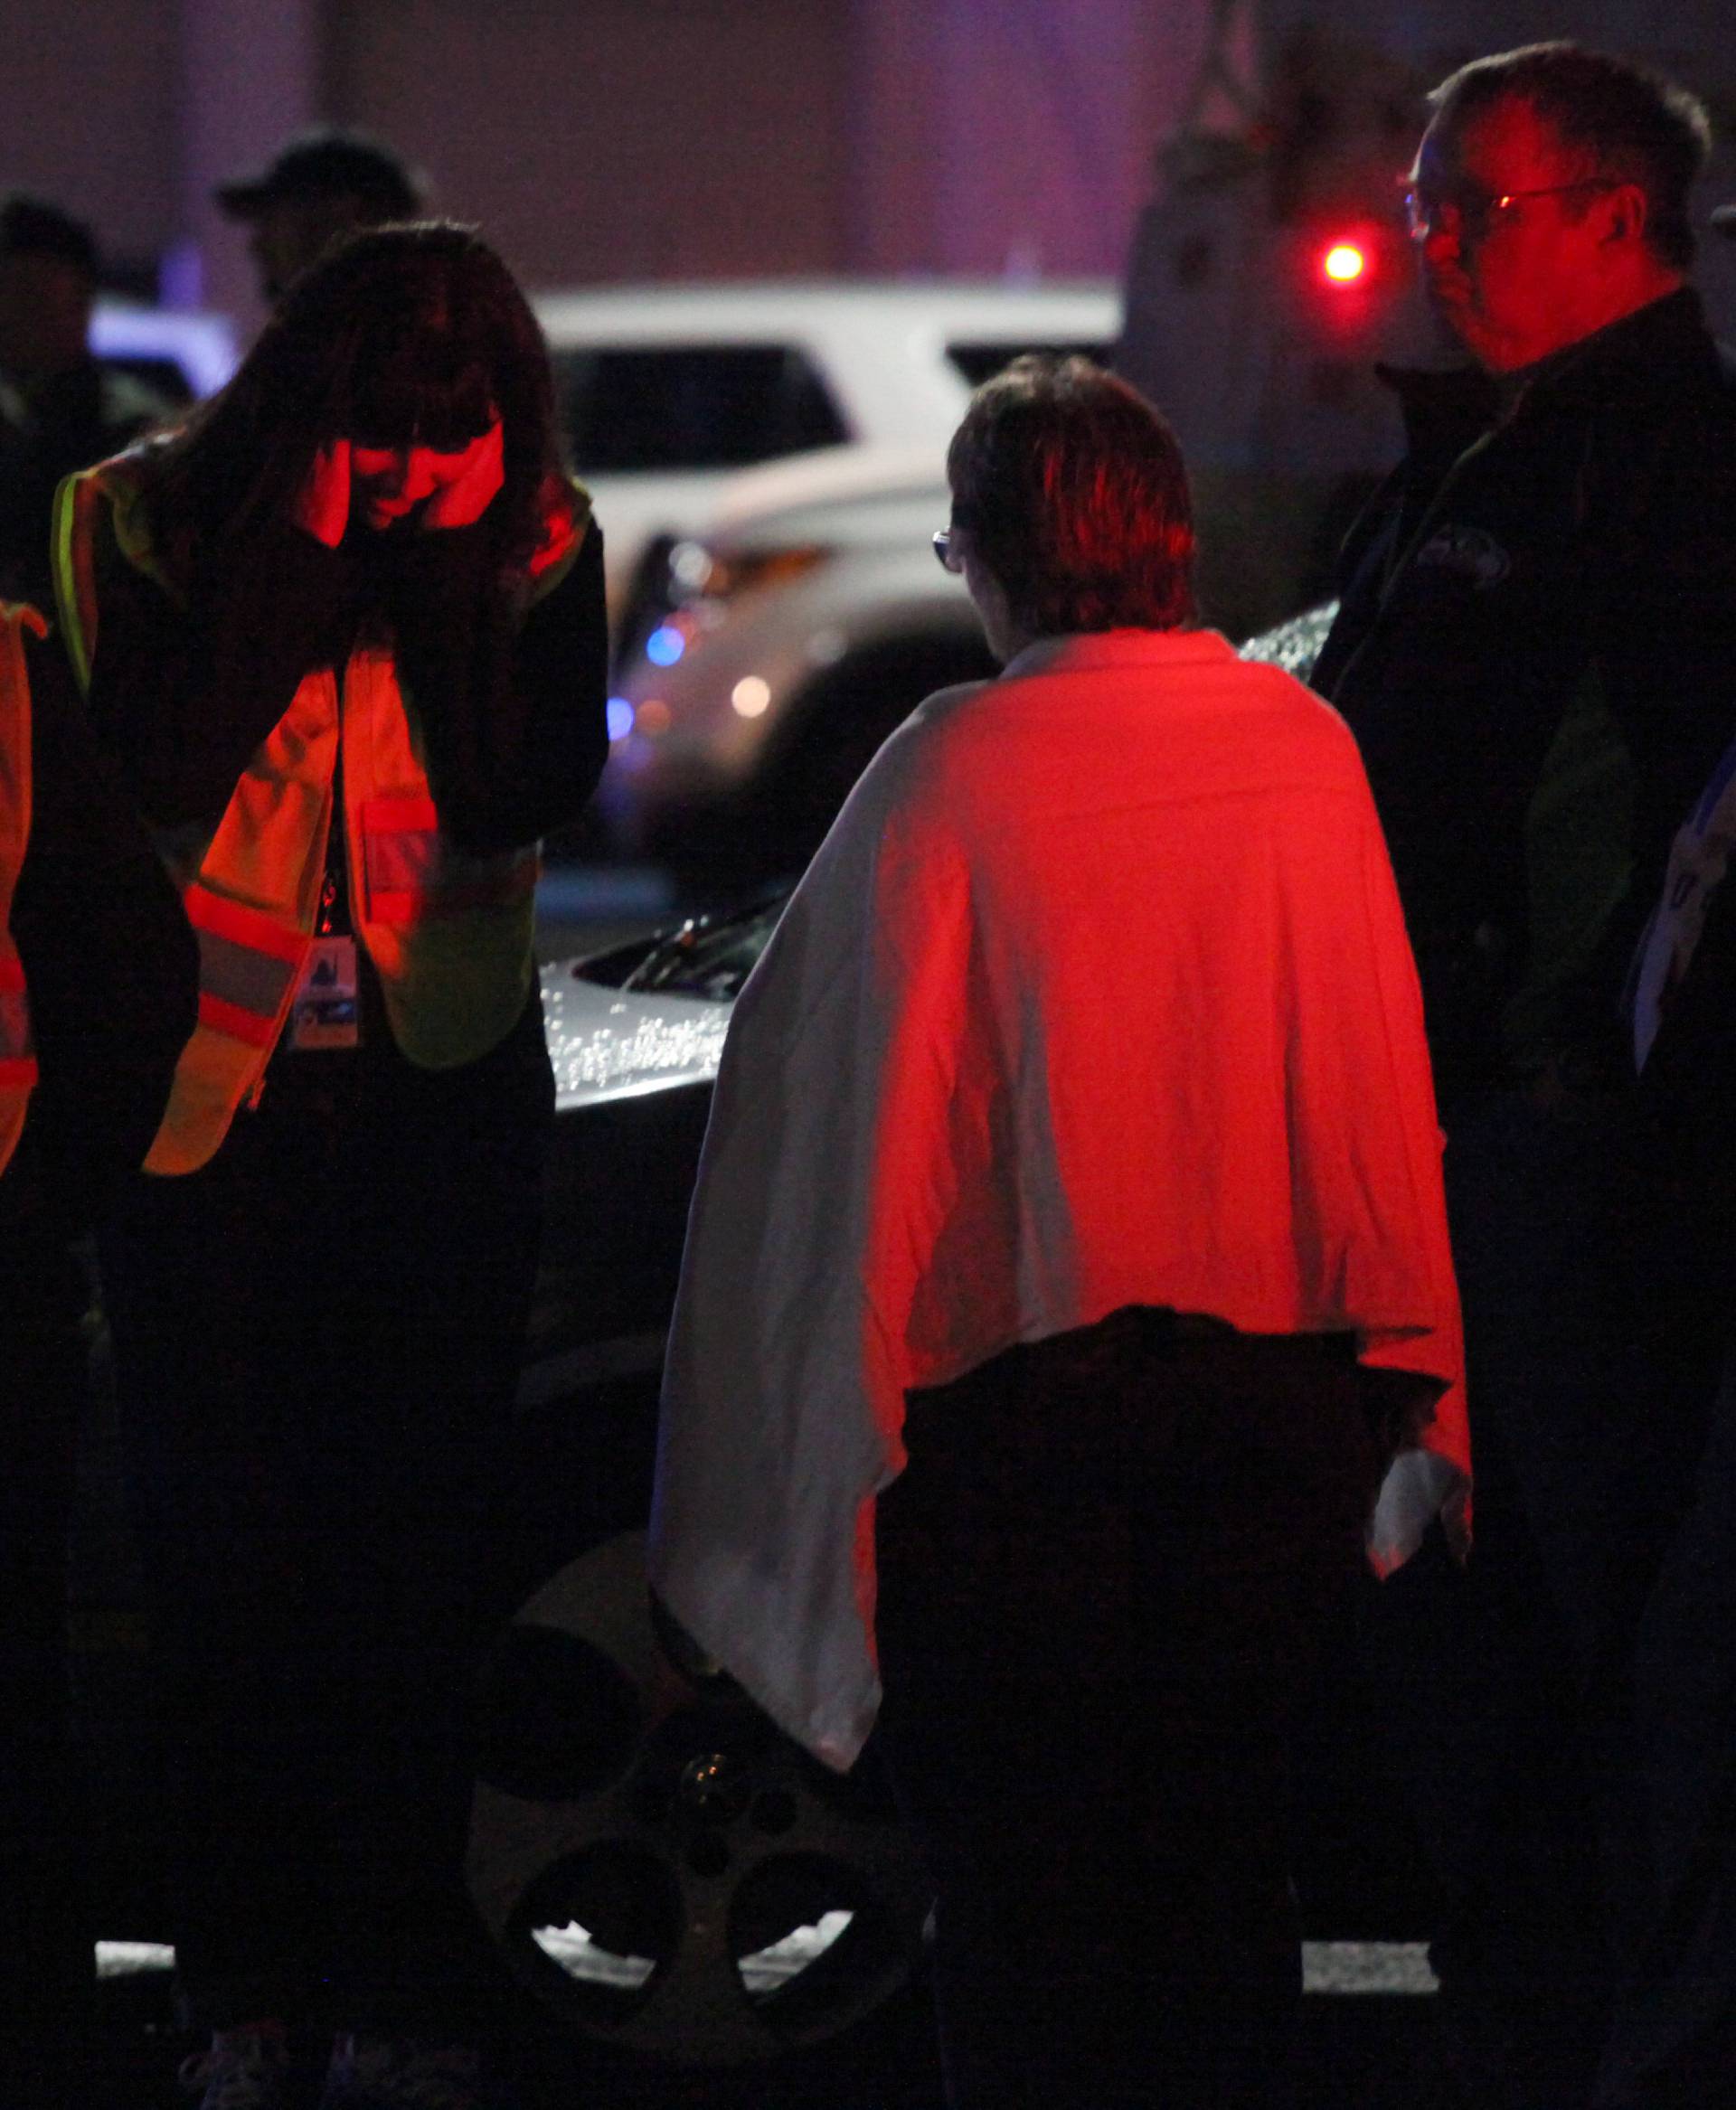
257	1029
247	963
407	815
16	1045
411	871
242	925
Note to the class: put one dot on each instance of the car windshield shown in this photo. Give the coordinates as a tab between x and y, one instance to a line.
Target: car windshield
692	407
709	956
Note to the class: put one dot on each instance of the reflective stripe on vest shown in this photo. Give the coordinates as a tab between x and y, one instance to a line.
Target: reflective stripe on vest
17	1044
247	965
73	547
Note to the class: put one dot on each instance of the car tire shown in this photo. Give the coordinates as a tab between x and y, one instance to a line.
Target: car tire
666	1872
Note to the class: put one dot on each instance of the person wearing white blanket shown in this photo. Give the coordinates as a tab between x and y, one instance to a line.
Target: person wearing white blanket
1075	1142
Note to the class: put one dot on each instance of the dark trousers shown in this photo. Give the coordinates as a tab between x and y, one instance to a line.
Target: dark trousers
1673	2043
1103	1580
316	1342
45	1936
1591	1370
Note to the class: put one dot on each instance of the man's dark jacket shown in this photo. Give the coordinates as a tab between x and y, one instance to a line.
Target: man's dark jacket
1536	649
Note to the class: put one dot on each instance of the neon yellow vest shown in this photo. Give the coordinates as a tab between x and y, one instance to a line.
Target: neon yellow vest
17	1048
448	931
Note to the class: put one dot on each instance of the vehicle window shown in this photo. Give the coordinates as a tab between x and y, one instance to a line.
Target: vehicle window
692	407
981	362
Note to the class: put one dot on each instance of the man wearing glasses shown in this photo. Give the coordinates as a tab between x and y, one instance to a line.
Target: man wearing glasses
1536	649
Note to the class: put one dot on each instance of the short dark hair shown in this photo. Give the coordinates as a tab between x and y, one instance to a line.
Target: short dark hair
1074	489
33	227
1625	120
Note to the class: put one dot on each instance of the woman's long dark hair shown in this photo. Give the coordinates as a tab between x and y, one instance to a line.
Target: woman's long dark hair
401	333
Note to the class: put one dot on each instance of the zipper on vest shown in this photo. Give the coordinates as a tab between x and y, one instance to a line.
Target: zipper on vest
323	920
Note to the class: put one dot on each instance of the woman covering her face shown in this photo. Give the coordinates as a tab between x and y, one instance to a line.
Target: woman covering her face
344	631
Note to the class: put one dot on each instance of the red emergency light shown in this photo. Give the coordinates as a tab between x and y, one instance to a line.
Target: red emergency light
1344	263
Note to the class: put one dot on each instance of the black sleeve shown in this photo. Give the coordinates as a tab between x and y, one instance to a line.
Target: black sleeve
108	959
511	709
1663	601
183	696
1660	593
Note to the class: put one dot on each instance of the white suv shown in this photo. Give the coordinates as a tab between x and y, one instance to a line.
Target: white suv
668	392
184	356
789	441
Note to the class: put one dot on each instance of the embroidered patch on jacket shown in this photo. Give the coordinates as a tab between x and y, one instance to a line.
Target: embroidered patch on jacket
1472	552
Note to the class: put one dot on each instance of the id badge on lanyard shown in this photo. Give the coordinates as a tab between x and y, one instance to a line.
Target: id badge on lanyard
326	1012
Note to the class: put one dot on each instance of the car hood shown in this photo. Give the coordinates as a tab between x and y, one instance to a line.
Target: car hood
611	1043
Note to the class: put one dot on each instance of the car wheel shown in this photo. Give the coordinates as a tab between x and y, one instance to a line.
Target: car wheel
658	1864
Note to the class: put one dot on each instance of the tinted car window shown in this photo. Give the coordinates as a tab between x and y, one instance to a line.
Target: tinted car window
981	362
693	406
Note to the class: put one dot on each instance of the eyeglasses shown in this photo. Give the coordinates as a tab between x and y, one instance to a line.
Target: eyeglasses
1476	211
943	550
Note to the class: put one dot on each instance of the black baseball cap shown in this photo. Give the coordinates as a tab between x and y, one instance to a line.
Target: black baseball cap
328	162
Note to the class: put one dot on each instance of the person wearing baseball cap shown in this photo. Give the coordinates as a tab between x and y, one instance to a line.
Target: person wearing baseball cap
318	185
60	408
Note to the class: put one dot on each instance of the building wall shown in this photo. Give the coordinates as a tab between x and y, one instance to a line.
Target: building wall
600	139
89	102
1011	135
620	138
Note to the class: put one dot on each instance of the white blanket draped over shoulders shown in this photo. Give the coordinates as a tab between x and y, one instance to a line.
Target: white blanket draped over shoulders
1097	993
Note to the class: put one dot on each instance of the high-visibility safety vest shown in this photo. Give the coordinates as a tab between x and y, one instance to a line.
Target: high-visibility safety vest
17	1046
448	931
